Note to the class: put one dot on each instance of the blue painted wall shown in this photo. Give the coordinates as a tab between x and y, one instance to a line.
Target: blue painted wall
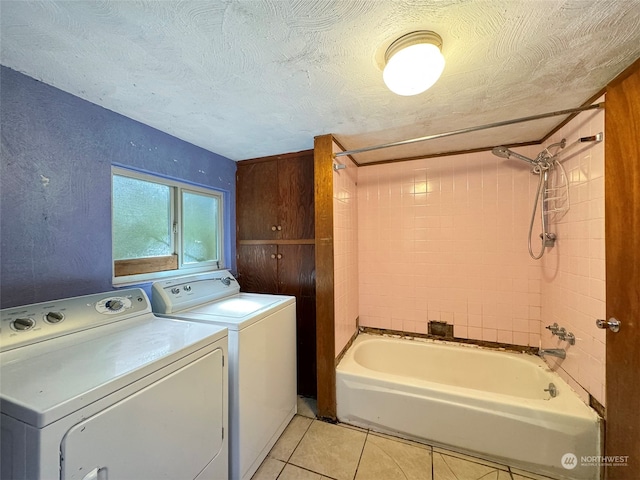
55	187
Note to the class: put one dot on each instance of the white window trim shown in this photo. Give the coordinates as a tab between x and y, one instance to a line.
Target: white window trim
176	210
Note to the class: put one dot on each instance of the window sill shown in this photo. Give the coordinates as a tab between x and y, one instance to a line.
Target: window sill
131	280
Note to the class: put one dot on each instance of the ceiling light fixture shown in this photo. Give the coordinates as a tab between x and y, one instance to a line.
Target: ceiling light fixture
413	63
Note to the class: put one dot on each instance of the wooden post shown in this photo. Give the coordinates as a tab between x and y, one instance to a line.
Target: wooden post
325	320
622	244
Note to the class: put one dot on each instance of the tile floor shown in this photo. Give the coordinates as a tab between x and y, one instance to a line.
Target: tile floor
313	450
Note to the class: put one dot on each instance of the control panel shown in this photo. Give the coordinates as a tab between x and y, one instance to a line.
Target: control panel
25	325
170	296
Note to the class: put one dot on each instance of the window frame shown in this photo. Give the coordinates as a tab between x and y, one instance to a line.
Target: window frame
176	221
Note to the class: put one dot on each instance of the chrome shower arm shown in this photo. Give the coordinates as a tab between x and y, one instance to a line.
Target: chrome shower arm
504	152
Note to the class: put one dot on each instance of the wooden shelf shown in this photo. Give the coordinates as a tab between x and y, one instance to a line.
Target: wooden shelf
303	241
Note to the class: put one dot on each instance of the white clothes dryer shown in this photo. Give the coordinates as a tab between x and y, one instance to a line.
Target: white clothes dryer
97	387
262	357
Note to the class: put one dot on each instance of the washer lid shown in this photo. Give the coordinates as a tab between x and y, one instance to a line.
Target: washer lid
238	311
238	306
44	382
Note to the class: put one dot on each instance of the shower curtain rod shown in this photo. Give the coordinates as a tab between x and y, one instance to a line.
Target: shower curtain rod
469	129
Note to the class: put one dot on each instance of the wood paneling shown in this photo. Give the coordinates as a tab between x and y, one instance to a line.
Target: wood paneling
325	316
622	240
145	265
306	346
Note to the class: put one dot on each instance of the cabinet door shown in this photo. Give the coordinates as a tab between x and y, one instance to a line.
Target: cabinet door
257	200
296	206
296	276
296	270
258	268
275	199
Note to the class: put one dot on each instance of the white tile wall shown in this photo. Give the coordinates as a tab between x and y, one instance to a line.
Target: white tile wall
345	242
573	274
445	239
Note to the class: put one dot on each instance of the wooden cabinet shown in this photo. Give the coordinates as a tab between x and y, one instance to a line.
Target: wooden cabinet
276	245
275	198
286	269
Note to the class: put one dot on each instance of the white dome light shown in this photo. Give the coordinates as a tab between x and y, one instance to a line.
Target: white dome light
413	63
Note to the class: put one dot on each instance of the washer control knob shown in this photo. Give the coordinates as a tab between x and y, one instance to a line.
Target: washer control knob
187	288
54	317
24	323
114	305
175	290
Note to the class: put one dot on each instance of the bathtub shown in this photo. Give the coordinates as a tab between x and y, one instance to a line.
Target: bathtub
480	401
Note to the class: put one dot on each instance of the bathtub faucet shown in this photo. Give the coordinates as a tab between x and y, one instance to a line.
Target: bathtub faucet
553	352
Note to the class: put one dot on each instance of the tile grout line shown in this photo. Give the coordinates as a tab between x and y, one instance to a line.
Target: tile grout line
433	471
361	453
306	470
474	459
294	449
449	466
486	476
299	441
431	457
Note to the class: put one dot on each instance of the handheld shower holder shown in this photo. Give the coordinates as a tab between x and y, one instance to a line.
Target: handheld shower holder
548	239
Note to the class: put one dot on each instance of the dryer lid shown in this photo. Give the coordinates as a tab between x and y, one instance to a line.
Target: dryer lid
44	382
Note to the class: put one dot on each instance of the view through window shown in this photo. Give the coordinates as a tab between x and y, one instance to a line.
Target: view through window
160	226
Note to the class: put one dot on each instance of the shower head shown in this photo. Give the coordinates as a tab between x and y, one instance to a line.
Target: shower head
504	152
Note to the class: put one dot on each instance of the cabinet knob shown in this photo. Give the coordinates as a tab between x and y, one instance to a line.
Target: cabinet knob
279	256
279	227
273	228
273	255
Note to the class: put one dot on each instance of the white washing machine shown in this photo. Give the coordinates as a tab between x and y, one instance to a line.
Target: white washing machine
97	388
262	357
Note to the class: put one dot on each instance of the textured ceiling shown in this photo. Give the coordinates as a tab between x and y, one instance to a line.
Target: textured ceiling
249	78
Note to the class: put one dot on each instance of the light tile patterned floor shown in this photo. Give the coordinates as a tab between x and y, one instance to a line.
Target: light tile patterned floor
313	450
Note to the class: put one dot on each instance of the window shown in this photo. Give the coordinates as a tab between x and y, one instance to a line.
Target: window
199	241
161	227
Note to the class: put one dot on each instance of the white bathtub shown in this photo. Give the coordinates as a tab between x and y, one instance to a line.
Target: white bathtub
470	399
